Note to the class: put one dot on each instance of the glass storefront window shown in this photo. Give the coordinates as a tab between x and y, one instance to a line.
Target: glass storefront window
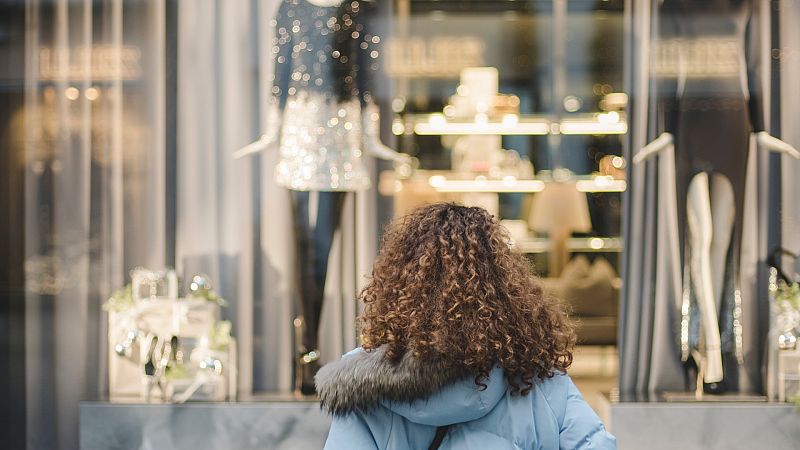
195	192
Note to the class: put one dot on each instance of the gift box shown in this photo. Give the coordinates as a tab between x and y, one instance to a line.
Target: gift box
189	318
165	348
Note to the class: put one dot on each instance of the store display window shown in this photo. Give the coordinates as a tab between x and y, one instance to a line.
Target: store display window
196	192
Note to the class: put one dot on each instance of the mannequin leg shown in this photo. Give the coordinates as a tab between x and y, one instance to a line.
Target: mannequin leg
723	217
700	234
316	217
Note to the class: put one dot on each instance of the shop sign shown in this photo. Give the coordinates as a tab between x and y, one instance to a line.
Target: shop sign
96	62
433	57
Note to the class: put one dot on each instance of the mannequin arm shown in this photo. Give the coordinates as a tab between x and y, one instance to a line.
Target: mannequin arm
372	141
378	149
404	165
774	144
653	148
268	139
263	143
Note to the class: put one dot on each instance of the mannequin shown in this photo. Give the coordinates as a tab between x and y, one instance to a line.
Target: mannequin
320	118
708	63
710	108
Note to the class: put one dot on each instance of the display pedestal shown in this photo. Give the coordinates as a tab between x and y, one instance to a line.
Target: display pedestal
689	424
276	422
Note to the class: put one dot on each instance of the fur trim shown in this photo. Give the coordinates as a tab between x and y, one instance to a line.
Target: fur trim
359	382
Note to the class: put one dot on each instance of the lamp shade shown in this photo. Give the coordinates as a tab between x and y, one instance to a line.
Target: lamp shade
560	207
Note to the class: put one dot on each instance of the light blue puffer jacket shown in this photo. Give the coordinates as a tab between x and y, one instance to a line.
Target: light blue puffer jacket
552	416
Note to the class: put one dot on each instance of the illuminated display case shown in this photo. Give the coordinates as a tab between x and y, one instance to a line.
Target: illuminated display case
517	107
554	99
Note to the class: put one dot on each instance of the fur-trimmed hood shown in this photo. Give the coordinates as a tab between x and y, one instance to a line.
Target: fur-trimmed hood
361	380
410	399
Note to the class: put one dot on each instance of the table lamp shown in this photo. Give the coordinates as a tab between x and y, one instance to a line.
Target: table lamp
559	211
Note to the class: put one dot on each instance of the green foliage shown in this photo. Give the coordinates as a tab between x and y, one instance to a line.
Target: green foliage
788	293
220	337
210	295
177	372
120	301
795	399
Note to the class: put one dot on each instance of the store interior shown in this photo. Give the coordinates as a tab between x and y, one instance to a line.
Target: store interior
196	191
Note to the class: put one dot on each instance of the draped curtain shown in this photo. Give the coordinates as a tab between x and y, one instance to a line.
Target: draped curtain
101	197
93	131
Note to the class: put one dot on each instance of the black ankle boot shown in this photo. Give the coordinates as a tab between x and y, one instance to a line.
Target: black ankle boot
717	388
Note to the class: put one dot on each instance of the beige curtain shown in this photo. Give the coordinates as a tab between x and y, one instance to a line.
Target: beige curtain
94	141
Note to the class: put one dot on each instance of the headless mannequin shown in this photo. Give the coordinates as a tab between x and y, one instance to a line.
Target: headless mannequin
320	119
711	111
709	103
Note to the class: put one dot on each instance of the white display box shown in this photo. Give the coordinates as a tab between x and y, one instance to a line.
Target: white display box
187	318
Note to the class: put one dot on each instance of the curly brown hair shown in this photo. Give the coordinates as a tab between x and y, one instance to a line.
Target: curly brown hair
446	285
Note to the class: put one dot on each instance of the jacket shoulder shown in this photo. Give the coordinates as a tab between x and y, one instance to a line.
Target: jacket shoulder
579	426
557	390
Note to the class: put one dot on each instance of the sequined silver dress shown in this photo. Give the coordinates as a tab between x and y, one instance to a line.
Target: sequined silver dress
324	56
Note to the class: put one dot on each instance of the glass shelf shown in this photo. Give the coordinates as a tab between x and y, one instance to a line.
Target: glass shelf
437	124
597	183
442	184
574	245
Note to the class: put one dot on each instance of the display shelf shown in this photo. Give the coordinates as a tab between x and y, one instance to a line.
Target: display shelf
590	183
600	123
437	124
511	124
574	245
600	183
507	185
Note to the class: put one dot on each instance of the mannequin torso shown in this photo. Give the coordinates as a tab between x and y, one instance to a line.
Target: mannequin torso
324	56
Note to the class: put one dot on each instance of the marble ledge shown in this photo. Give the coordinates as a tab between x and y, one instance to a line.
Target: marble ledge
287	424
280	425
703	425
